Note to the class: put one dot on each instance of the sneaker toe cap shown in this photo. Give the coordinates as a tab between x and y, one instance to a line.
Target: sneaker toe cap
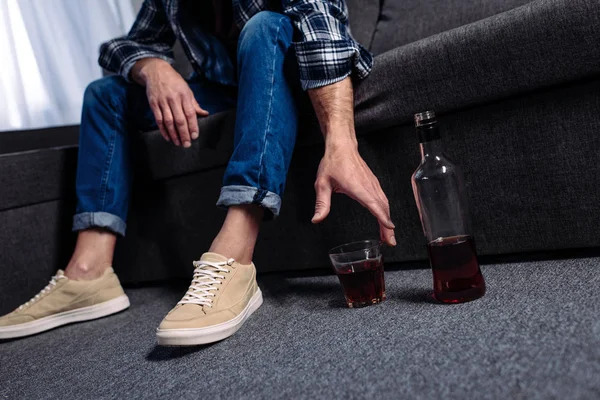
186	320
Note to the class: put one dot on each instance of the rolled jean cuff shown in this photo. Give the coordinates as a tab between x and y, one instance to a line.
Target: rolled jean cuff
104	220
236	195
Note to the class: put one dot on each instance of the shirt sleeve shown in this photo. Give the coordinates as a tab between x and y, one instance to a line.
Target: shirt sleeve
150	36
326	51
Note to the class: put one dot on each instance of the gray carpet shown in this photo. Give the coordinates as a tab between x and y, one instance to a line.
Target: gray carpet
535	335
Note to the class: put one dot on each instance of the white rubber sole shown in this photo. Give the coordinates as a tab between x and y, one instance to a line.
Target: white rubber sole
68	317
210	334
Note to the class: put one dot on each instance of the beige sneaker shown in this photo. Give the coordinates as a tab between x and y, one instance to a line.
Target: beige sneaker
223	294
65	301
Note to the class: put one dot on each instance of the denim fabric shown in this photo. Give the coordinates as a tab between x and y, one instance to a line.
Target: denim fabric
234	195
266	125
265	136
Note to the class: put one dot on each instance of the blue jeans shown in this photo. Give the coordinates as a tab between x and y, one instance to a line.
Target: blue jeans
265	129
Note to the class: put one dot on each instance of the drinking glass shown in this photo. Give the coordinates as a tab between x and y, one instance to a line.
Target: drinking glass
359	267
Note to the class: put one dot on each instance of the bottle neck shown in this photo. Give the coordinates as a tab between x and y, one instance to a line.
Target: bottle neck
429	138
431	149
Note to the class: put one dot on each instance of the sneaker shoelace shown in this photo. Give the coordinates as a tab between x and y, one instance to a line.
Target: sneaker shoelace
45	290
206	281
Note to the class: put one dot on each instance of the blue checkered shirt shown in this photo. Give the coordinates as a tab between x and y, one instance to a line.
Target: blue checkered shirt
325	49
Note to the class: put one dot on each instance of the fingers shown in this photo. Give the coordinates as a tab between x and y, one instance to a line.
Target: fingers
177	120
323	203
169	123
382	213
387	235
181	122
159	120
192	121
199	110
380	208
377	203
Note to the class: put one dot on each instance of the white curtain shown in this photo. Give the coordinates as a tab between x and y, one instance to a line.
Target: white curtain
48	55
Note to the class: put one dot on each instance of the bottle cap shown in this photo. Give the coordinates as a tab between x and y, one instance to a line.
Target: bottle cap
424	118
427	126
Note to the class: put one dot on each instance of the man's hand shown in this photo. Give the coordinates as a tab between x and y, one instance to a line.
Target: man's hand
342	169
171	100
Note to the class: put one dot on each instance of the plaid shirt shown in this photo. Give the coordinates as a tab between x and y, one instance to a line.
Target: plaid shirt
325	50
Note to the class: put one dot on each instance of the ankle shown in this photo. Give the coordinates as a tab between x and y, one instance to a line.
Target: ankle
237	236
81	270
240	254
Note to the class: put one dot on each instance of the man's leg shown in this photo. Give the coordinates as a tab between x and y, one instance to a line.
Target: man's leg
265	134
103	176
224	293
89	288
113	109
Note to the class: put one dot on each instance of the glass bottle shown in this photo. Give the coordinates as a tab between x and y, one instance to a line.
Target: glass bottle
439	190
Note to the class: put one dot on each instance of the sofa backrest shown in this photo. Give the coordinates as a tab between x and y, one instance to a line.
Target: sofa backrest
406	21
363	16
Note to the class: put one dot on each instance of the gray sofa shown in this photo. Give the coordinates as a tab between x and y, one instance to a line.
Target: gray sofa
516	84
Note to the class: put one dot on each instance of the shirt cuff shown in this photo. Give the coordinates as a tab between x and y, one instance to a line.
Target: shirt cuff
130	62
316	83
324	62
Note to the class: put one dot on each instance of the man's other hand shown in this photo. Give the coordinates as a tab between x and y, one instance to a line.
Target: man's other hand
171	100
342	170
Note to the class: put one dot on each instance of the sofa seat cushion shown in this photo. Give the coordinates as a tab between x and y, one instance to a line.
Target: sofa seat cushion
159	159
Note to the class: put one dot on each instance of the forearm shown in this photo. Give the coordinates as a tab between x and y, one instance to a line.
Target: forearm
334	106
146	68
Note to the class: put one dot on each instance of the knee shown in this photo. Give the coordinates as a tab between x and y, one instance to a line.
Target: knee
103	89
263	26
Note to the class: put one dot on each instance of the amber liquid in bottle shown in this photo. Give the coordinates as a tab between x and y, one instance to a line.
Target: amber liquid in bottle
456	274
